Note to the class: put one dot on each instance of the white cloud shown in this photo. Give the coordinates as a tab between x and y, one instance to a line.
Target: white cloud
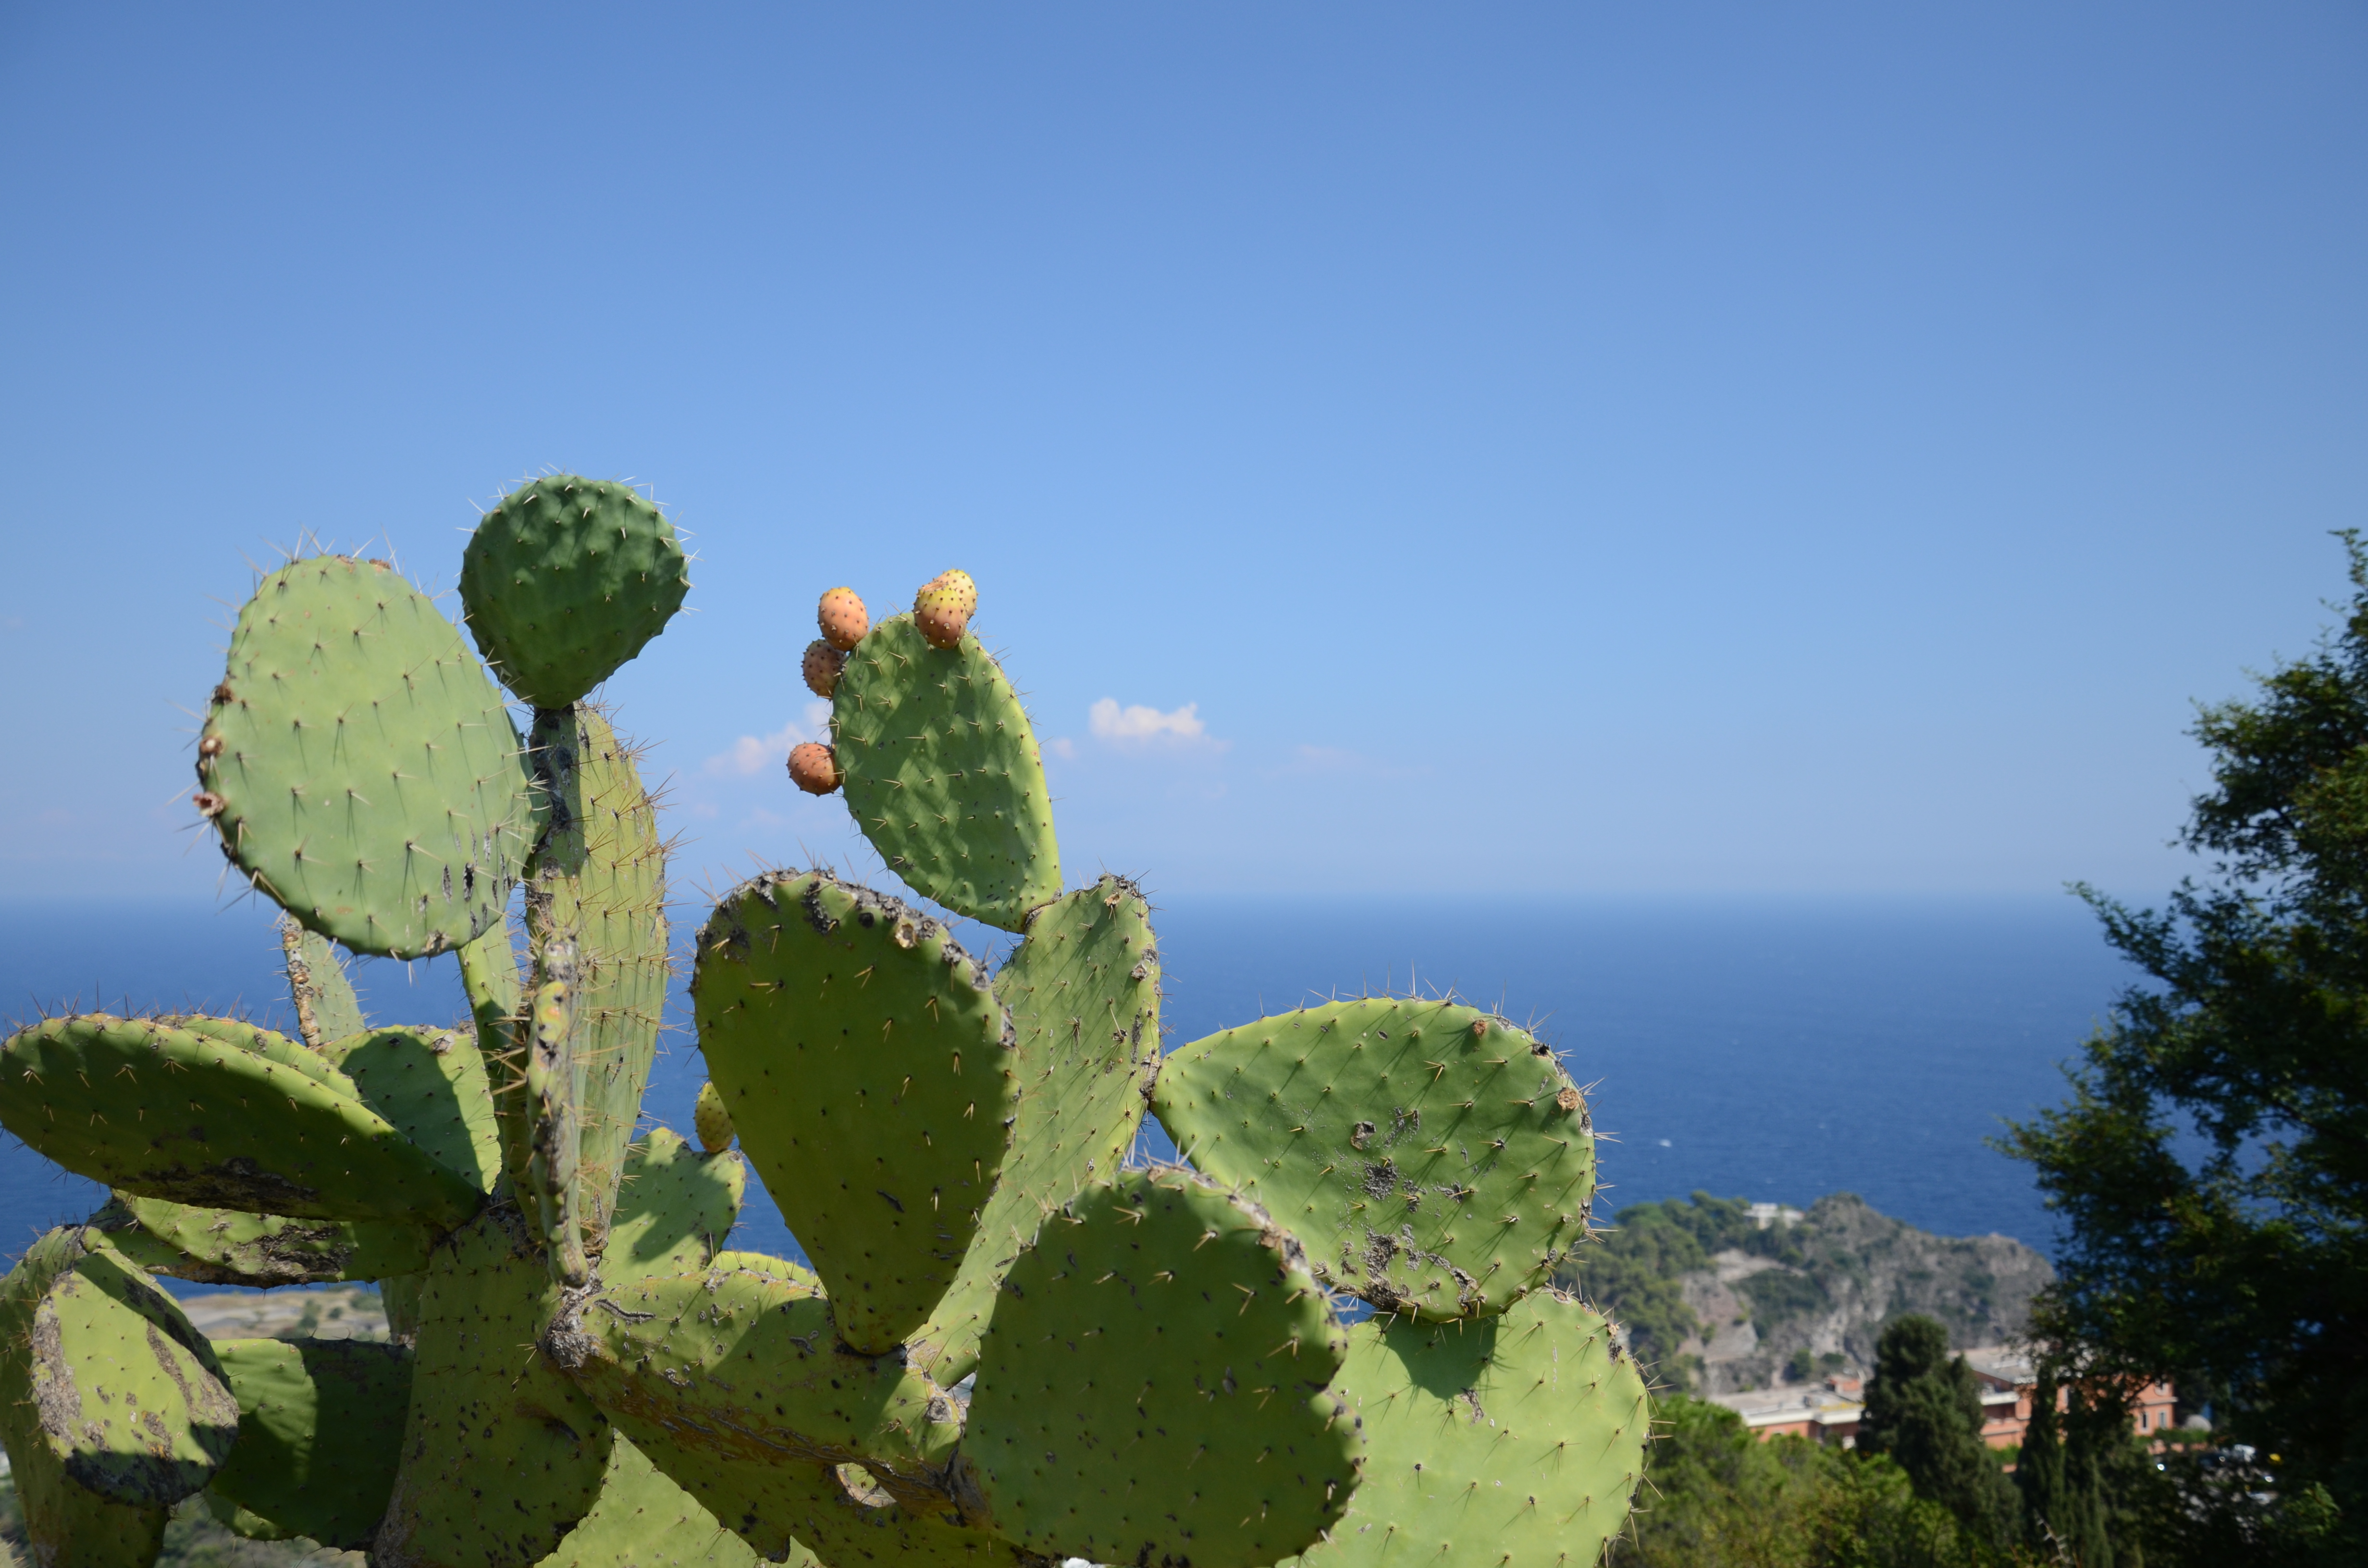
1112	722
754	754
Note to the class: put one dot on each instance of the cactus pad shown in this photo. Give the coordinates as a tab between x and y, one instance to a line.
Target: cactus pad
597	879
224	1247
130	1398
65	1522
743	1364
360	766
941	771
1152	1385
868	1067
1524	1431
431	1086
674	1209
710	1121
320	1429
644	1520
1084	994
1434	1159
489	1416
163	1112
566	579
327	1008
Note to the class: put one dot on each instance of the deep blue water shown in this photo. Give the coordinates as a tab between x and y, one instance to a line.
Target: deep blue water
1766	1048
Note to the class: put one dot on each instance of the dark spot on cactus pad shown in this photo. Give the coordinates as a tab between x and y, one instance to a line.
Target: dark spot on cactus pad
1381	1179
1361	1135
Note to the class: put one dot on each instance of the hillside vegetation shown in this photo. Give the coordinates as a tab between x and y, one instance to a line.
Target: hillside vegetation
1714	1303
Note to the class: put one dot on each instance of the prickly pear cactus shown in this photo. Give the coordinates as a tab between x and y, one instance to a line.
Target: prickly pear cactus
1014	1344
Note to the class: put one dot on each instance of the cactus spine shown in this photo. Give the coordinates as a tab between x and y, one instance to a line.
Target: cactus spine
581	1372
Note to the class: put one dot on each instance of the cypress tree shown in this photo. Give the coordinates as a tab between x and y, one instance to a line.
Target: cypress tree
1924	1409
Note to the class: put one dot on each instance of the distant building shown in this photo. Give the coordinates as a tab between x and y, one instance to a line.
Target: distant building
1829	1412
1765	1214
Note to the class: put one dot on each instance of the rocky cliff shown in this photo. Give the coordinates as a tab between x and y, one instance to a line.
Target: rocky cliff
1720	1300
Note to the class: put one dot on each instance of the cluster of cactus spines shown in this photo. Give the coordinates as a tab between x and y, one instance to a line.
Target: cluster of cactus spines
360	766
580	1372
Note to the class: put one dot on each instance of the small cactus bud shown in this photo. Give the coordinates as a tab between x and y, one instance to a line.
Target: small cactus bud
710	1121
814	769
843	619
209	804
823	664
211	746
938	611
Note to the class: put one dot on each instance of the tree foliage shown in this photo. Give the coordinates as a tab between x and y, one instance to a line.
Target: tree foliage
2211	1166
1924	1409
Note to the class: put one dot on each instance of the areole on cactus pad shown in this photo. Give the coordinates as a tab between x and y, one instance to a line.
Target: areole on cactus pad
1015	1343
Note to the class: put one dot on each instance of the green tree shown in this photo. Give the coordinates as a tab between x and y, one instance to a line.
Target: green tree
1924	1409
1718	1498
2211	1166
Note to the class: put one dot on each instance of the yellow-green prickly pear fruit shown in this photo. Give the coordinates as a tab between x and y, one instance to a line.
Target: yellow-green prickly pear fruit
942	611
823	664
965	591
710	1121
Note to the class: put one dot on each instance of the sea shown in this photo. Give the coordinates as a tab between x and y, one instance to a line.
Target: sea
1769	1049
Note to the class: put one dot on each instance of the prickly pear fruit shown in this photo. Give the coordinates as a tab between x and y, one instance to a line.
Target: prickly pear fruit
710	1121
958	582
938	611
565	580
843	619
814	769
823	664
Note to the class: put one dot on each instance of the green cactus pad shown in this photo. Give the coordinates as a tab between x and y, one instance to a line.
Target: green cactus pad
327	1008
163	1112
224	1247
129	1397
566	579
359	764
431	1086
644	1520
489	976
1084	994
710	1121
489	1418
1524	1431
598	880
399	1297
270	1044
942	774
1434	1159
674	1209
839	1515
319	1430
743	1364
66	1523
868	1068
1152	1385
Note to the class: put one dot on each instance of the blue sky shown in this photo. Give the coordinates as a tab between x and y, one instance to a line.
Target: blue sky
1547	448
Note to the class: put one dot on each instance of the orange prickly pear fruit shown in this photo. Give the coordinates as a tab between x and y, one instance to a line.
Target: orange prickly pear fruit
814	769
823	664
939	611
843	617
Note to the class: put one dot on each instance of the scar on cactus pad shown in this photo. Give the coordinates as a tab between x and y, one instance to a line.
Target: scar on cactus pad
581	1371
